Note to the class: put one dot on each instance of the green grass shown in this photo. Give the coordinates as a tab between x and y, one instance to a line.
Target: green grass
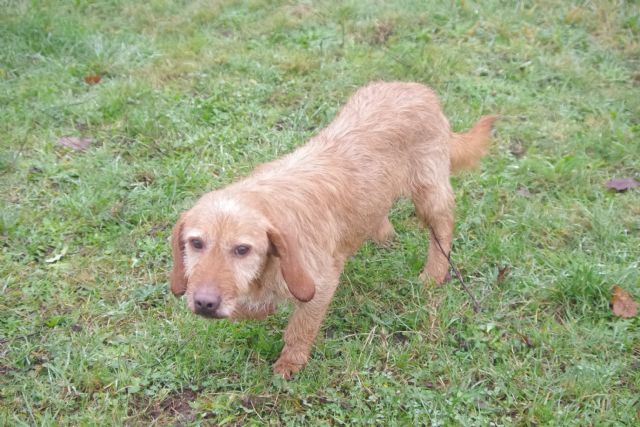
193	95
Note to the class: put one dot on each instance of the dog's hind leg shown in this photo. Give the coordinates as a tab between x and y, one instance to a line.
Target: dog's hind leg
434	204
385	232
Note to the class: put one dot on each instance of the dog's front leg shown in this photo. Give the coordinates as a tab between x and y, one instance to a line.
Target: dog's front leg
302	330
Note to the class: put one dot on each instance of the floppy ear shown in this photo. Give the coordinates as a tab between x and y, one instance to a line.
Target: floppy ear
178	278
298	281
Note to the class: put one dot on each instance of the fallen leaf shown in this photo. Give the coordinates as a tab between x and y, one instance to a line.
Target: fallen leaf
92	79
622	184
623	304
525	339
75	143
502	273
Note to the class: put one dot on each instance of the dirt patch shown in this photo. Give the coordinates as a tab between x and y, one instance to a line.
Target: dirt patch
381	33
175	405
5	370
301	11
174	408
517	148
257	403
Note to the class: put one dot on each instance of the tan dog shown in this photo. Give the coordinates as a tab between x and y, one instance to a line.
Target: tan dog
285	231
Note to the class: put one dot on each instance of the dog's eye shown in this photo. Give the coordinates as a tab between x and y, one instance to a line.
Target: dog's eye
241	250
197	243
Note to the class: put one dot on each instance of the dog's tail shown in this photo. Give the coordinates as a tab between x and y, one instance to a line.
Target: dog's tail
466	149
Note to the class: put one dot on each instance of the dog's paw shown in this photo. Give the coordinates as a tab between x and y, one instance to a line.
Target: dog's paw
285	368
290	361
425	277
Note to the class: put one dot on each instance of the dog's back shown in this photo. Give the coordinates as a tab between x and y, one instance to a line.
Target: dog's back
389	140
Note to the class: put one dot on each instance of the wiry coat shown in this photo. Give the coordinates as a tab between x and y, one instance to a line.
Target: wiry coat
302	215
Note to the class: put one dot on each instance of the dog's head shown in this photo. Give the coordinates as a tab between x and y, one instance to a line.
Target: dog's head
221	248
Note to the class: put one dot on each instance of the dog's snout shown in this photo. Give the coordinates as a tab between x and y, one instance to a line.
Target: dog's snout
206	302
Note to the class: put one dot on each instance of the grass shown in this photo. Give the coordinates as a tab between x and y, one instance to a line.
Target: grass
194	94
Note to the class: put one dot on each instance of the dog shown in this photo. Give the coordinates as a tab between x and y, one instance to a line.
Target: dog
285	231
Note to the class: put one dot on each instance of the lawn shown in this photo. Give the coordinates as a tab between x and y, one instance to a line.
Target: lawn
175	98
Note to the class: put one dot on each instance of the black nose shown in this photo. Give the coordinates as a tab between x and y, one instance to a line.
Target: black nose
206	302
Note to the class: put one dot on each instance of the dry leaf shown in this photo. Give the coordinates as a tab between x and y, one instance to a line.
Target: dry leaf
525	339
502	273
622	184
623	304
75	143
92	79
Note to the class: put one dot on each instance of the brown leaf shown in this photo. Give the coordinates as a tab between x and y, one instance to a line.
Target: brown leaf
75	143
622	184
525	339
92	79
502	273
623	304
